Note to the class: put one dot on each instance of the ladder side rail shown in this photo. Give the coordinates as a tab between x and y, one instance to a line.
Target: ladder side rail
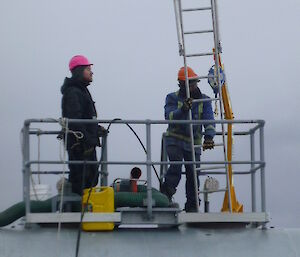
179	32
190	111
216	10
217	65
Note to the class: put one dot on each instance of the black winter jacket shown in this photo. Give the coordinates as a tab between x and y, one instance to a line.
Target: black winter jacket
77	103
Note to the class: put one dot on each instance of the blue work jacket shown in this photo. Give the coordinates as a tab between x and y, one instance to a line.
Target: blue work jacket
200	111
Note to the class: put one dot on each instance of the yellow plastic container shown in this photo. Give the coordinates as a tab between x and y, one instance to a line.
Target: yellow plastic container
101	200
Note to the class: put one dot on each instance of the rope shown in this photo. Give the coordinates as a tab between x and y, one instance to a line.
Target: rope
39	157
90	189
33	186
65	124
89	194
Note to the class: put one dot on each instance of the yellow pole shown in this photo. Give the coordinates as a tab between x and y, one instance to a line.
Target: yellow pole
236	206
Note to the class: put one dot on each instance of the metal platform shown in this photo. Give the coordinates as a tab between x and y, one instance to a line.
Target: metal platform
151	215
123	216
224	217
73	217
160	216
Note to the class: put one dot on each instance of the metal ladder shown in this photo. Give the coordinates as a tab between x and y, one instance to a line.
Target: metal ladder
181	33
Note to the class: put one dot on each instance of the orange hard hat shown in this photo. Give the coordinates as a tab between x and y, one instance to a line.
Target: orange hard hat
191	74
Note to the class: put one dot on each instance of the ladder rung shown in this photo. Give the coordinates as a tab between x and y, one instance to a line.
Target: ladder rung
201	54
213	191
221	144
211	168
199	146
198	32
196	9
204	77
205	100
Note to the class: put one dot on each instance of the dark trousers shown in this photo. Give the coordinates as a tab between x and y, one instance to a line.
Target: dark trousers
173	176
82	175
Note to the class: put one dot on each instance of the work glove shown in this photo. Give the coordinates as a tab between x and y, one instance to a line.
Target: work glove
208	144
102	131
187	104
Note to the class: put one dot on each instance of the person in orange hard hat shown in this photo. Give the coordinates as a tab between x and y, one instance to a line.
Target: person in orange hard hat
191	74
178	139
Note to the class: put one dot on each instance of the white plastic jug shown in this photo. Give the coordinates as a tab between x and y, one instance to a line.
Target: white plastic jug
40	192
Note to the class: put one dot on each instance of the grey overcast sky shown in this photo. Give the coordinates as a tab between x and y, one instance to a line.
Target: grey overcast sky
133	45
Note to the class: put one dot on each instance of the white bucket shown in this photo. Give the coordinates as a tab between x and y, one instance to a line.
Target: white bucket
40	192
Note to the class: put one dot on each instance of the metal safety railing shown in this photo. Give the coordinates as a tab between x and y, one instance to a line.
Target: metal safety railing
256	165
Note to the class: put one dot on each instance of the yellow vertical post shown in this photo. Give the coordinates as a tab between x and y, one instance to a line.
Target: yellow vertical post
236	206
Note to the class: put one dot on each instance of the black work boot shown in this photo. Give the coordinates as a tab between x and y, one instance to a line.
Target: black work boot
169	192
191	206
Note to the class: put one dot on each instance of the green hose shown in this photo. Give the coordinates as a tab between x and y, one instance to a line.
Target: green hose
18	210
122	199
129	199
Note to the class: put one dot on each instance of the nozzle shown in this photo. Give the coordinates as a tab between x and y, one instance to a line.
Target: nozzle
135	173
134	176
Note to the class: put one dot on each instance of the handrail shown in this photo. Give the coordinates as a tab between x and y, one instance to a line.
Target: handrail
256	165
144	122
143	163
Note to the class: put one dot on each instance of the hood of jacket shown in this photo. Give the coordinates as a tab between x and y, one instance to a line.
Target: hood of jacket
70	82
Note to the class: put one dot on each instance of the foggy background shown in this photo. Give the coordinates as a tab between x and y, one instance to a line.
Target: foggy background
133	46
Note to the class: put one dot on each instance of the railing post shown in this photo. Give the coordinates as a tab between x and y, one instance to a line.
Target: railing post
149	183
253	183
262	173
26	168
104	170
163	167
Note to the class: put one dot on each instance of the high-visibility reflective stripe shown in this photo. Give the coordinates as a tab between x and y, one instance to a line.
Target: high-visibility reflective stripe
181	137
200	110
198	136
198	133
198	141
210	127
169	133
179	104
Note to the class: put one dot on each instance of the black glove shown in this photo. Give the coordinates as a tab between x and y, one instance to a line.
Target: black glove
102	131
187	104
208	144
